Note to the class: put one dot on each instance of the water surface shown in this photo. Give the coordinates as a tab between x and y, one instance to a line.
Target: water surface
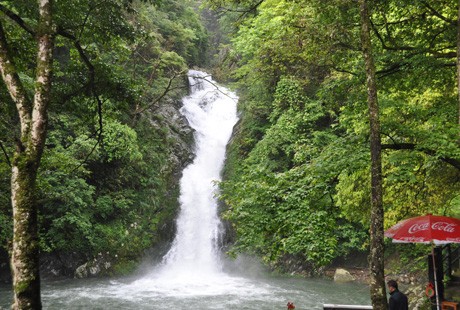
225	293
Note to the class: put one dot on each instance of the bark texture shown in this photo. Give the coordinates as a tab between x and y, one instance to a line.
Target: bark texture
376	262
458	62
33	121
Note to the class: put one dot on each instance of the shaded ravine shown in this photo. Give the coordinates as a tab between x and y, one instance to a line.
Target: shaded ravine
192	274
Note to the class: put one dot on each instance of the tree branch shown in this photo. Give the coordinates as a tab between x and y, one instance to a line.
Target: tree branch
396	67
16	18
80	50
393	47
244	11
386	47
85	22
14	85
444	55
213	84
5	153
338	69
439	15
165	92
99	139
412	146
91	70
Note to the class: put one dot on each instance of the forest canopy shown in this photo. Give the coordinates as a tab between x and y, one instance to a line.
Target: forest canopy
298	173
106	180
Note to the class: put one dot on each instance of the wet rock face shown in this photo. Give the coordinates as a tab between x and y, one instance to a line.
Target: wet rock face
179	137
100	265
179	133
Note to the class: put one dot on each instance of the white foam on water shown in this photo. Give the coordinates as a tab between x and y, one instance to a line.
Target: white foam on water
193	265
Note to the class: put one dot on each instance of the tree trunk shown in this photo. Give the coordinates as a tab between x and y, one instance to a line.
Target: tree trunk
33	121
25	254
458	63
376	262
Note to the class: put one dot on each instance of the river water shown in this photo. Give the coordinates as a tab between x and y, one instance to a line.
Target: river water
194	274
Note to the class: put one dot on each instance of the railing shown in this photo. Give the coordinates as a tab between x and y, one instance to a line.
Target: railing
344	307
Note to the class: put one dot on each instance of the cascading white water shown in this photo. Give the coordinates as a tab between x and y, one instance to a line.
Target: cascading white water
193	265
191	275
212	113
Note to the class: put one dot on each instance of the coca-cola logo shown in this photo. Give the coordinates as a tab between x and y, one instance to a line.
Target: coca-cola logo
443	226
450	228
418	227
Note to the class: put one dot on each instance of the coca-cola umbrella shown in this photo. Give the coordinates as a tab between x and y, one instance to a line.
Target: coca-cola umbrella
429	229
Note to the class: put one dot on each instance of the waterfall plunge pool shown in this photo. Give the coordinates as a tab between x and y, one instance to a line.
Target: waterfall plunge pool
222	291
191	275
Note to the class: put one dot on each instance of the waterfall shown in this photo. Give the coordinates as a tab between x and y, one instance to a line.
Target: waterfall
191	275
211	111
193	267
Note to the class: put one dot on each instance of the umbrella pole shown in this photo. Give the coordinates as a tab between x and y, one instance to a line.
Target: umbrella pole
435	278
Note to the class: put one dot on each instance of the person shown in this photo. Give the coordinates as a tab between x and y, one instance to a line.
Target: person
398	301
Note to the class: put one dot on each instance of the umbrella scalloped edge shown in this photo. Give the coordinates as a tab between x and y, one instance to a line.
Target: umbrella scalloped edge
422	240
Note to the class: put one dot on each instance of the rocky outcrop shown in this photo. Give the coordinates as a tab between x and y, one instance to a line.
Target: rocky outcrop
343	276
179	136
60	265
179	133
100	265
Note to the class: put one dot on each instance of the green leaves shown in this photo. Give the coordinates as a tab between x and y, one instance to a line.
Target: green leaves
107	178
120	142
281	201
300	162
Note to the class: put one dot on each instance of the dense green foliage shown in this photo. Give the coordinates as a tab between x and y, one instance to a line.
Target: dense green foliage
106	182
297	179
297	175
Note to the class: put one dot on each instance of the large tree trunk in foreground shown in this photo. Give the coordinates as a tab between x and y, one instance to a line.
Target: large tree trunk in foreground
458	63
33	121
376	262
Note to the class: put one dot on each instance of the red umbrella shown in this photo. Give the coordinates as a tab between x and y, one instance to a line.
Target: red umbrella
427	229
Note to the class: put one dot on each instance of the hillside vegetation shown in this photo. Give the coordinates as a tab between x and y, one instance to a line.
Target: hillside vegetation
116	144
297	183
